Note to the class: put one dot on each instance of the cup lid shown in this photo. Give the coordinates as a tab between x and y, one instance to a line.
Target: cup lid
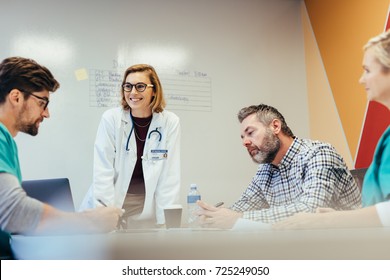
174	206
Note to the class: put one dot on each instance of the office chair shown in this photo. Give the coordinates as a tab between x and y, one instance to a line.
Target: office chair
358	175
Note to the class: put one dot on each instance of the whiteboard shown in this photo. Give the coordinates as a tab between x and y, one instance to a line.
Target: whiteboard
230	53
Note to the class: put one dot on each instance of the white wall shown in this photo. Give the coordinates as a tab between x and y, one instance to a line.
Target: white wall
251	51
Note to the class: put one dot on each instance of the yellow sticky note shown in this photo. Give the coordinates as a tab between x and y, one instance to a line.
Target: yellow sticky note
81	74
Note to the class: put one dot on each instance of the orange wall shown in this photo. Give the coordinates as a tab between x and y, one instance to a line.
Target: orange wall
323	115
341	28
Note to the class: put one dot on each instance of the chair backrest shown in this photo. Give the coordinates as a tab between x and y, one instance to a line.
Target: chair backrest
358	175
55	192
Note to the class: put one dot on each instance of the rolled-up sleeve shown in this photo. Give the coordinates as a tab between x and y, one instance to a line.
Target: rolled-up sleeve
18	212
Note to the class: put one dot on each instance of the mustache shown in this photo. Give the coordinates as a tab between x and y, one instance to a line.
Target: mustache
264	154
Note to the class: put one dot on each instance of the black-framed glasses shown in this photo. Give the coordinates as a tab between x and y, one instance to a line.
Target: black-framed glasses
140	87
43	104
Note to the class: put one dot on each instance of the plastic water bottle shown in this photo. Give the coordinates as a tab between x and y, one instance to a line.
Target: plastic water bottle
192	197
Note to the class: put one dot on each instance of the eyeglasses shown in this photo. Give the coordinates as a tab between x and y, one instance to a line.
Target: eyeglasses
140	87
43	104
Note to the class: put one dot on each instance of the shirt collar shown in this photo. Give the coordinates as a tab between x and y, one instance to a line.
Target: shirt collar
292	151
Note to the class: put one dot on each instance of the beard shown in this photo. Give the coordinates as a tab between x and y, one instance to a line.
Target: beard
266	152
25	126
31	129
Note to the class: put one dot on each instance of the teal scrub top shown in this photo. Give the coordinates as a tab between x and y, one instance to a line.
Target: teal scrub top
9	159
376	184
9	163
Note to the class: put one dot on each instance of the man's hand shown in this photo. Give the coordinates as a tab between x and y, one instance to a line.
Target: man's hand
104	219
213	217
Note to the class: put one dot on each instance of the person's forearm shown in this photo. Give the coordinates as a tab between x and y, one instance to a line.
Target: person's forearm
365	217
98	220
54	221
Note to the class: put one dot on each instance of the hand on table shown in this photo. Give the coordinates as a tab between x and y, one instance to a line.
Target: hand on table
216	217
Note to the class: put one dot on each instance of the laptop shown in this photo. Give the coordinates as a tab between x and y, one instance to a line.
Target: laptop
55	192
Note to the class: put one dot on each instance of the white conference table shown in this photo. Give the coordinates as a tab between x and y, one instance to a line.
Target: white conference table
187	244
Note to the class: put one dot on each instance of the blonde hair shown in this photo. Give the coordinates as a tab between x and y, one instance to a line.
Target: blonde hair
158	102
381	46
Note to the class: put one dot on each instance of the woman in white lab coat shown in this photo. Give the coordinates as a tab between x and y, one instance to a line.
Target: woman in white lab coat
137	152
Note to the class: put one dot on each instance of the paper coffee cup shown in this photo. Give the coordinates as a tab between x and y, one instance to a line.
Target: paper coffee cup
172	215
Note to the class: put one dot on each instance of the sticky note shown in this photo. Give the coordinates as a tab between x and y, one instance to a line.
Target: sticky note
81	74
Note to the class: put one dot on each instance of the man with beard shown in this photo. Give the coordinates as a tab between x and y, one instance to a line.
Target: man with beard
294	175
24	97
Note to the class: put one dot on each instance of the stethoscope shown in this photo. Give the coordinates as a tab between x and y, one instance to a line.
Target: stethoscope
159	135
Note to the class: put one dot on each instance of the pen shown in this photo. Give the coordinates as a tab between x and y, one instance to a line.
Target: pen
218	204
122	222
102	203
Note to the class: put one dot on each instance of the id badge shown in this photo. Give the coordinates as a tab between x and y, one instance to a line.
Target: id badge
159	154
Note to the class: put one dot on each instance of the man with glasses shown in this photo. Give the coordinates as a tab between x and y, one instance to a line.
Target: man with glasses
24	99
294	175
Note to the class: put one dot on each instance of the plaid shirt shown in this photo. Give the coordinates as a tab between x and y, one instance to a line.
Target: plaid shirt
311	174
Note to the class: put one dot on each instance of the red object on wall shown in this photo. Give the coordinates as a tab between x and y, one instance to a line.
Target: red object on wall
376	122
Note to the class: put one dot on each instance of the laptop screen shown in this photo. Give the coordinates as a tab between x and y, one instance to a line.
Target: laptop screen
55	192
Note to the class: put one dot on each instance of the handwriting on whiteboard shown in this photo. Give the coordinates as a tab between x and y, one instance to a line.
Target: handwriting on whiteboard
183	90
104	88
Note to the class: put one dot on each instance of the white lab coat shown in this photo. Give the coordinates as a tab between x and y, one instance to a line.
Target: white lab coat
113	165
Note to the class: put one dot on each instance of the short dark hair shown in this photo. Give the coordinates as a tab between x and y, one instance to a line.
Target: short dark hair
26	75
265	114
